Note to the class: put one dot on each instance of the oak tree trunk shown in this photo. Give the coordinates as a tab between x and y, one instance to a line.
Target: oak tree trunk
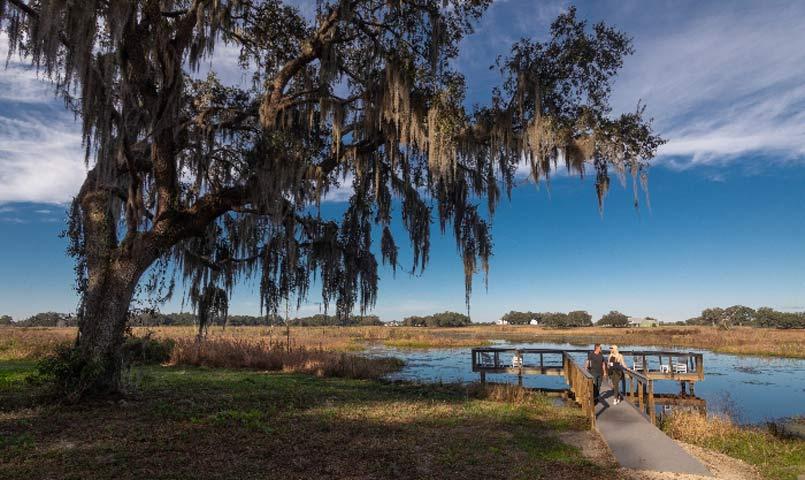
103	321
113	270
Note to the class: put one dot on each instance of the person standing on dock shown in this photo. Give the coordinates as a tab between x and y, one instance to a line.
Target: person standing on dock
596	365
615	373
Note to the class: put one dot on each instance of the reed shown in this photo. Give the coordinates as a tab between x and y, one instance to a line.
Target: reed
277	356
504	392
34	343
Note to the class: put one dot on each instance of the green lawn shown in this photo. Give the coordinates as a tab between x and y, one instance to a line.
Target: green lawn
201	423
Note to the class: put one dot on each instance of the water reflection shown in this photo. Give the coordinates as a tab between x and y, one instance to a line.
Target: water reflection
750	389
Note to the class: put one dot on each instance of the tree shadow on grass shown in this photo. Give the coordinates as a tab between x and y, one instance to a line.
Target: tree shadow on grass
196	423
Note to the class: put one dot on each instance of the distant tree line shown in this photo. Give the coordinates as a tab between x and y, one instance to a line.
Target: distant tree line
739	315
444	319
321	320
578	318
157	319
44	319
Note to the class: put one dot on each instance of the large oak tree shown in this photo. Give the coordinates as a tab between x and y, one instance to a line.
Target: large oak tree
221	182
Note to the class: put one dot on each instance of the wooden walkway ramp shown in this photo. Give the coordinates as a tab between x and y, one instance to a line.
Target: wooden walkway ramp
637	444
628	428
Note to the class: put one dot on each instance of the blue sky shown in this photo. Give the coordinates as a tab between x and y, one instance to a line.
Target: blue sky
724	83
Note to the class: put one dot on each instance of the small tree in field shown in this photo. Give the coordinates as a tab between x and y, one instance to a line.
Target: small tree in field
614	319
217	183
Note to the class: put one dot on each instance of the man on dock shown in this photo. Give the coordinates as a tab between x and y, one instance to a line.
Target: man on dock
597	367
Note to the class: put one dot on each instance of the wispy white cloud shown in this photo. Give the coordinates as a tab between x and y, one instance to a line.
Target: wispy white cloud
41	157
40	160
721	80
18	82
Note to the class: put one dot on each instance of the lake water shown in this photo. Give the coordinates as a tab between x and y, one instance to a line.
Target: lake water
750	389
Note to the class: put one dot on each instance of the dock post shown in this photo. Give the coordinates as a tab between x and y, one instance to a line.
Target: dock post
692	391
640	395
652	411
483	377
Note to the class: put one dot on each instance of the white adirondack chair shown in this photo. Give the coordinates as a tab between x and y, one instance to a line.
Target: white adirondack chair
680	367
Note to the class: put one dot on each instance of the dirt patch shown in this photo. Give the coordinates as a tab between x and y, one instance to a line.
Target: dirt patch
592	447
721	466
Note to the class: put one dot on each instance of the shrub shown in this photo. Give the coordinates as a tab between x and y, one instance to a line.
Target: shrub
147	349
70	373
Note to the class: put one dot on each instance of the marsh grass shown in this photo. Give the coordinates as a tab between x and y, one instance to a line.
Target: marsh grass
775	457
268	355
34	343
738	340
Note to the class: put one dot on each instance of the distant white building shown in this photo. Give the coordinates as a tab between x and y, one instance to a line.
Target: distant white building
643	322
533	322
501	322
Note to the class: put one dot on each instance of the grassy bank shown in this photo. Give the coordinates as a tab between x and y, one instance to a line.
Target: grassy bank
777	458
216	423
17	343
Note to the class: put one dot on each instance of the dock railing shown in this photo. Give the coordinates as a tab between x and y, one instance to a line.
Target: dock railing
581	384
641	393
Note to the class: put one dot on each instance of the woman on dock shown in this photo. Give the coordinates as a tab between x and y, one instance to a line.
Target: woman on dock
615	363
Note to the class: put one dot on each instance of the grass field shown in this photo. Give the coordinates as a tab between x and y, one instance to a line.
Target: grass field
222	424
32	343
286	416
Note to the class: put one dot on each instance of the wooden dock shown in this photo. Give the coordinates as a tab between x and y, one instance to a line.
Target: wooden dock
629	428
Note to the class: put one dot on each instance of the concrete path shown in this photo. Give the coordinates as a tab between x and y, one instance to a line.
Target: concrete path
638	444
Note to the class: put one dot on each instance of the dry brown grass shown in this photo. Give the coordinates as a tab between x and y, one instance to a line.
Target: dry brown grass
775	457
343	339
32	343
261	354
697	428
503	392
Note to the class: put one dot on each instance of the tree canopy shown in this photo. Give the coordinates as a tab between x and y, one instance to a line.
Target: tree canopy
614	319
217	183
739	315
444	319
520	318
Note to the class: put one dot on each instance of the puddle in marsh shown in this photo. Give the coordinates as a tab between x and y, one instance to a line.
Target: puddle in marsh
751	389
